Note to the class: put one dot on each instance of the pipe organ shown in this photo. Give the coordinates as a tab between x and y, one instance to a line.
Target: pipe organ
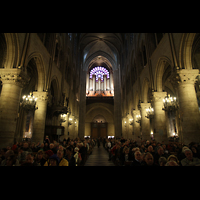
99	81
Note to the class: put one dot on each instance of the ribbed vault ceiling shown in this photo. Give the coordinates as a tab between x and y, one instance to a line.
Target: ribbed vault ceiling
108	43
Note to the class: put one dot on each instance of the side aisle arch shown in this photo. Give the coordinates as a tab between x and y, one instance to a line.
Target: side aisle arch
185	53
12	47
162	64
40	69
145	90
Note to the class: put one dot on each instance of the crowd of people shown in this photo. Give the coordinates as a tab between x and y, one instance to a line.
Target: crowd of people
128	152
69	152
123	152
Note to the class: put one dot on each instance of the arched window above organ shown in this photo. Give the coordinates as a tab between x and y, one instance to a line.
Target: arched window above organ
99	72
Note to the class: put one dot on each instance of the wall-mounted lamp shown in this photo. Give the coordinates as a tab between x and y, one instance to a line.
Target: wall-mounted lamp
63	118
70	121
170	103
138	118
131	121
29	102
149	112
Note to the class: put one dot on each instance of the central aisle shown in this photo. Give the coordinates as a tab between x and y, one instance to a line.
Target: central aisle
99	157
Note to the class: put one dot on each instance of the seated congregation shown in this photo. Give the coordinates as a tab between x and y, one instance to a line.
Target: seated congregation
66	153
123	152
151	153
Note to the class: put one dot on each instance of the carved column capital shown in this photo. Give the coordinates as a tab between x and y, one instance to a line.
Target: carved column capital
184	76
159	96
188	76
144	106
136	112
41	96
14	76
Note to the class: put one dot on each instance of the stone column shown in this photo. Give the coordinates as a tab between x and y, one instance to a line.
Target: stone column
130	127
12	80
82	105
117	105
188	106
160	133
123	127
24	123
145	122
130	130
73	127
65	124
76	127
40	116
21	122
136	125
70	129
126	128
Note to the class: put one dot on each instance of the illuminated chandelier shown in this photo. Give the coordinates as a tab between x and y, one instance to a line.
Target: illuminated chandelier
149	112
29	102
63	118
170	103
138	118
131	121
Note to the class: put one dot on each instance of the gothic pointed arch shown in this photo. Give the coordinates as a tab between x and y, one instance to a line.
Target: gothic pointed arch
96	54
55	91
185	52
136	100
145	90
162	64
38	60
12	46
99	119
102	106
3	50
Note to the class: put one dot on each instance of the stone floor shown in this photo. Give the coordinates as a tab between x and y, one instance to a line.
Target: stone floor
99	157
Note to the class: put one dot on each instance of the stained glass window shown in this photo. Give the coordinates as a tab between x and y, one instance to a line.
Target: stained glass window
99	72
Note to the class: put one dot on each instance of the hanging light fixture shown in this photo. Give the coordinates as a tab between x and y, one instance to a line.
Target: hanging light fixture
170	103
63	118
149	112
131	121
29	102
70	122
138	118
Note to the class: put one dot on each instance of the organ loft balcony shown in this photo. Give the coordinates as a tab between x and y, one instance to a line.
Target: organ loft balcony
99	99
